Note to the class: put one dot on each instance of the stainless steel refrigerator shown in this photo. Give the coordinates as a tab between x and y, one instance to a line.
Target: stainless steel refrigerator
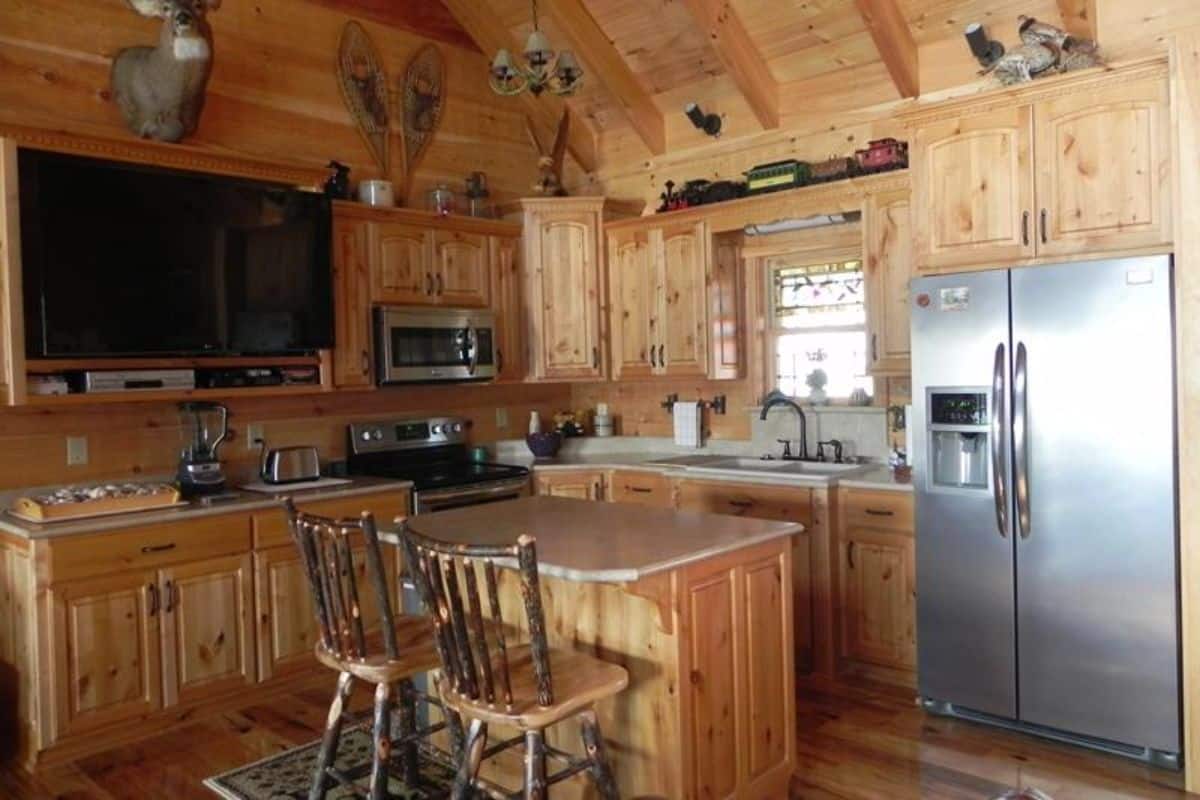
1045	481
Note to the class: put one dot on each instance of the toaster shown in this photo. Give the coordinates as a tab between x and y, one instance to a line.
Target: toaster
289	464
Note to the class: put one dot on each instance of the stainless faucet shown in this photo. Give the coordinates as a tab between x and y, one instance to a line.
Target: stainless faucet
778	398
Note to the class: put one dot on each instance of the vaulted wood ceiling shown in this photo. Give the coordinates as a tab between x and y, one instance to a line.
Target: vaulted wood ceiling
755	61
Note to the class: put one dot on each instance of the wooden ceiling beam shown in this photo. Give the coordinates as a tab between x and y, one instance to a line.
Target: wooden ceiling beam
430	20
1079	18
591	44
740	57
546	110
886	23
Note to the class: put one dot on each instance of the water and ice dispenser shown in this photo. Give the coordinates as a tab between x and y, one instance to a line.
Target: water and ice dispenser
958	438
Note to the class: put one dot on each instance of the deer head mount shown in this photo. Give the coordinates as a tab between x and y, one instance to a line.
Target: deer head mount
160	90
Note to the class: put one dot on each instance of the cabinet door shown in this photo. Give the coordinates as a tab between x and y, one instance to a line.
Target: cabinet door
887	249
461	269
879	623
402	266
208	646
683	299
973	190
283	609
725	309
351	303
1103	172
783	503
580	484
566	315
506	301
633	310
640	488
106	650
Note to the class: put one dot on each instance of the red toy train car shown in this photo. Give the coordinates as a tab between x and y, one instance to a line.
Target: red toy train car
882	155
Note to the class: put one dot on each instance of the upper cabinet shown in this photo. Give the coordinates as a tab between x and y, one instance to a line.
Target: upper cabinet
564	288
352	303
506	300
461	267
402	264
1066	167
887	264
673	305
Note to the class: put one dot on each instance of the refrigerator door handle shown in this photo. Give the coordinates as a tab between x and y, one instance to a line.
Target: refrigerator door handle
1021	439
999	394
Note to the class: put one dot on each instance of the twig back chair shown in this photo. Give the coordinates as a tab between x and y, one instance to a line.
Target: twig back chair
489	680
328	553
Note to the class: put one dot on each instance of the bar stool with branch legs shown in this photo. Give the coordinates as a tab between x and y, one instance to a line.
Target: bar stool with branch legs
487	681
407	649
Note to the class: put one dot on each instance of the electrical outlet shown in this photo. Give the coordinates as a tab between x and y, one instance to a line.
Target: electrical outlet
254	432
501	417
77	451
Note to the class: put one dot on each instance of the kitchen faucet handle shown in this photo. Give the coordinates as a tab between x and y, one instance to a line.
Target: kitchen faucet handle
787	447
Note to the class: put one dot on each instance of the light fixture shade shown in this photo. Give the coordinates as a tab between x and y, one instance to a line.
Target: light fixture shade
502	64
537	48
567	65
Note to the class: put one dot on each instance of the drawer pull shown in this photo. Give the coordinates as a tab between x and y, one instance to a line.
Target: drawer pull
741	503
639	489
875	512
158	548
850	554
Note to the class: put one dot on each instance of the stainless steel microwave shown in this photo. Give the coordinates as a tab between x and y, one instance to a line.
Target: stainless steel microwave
415	345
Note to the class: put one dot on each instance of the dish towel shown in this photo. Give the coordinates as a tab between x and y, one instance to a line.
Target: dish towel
687	424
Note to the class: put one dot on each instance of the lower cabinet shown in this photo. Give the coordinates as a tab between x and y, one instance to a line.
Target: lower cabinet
581	484
878	579
640	488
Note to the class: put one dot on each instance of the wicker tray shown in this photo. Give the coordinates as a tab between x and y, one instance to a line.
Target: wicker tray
33	510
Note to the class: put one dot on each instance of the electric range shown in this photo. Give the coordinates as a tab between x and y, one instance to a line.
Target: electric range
433	454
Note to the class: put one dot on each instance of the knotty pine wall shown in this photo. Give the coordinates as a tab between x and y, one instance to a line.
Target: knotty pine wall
272	95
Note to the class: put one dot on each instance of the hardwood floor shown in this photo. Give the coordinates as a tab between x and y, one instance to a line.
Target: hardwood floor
856	740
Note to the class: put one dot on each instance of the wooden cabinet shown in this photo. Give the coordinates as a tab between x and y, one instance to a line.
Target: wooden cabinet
1103	169
736	669
506	301
461	269
640	488
352	303
581	484
725	302
878	578
207	635
887	264
564	288
672	312
107	651
1063	167
402	260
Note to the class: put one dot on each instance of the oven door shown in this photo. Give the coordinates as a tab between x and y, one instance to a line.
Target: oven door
421	346
444	499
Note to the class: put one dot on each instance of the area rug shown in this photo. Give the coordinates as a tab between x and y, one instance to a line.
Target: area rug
288	775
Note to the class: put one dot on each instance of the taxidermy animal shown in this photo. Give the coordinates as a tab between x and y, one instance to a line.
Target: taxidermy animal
160	90
550	164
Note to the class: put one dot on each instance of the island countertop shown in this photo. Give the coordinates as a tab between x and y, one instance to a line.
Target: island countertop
579	540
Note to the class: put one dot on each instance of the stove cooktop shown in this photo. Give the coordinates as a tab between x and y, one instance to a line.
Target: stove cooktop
446	474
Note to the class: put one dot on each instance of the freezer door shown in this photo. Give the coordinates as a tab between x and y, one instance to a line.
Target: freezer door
1097	607
965	605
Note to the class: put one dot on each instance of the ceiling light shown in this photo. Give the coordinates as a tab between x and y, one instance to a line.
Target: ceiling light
541	71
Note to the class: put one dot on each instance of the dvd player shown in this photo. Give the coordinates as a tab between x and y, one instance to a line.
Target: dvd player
138	380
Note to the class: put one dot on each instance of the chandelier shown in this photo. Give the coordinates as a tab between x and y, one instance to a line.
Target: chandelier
542	71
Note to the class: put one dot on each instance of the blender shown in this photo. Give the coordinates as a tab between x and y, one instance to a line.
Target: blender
203	426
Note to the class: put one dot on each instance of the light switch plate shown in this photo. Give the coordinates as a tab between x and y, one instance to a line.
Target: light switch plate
77	451
254	432
501	417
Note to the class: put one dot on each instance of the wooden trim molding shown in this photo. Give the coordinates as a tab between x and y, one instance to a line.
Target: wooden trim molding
174	156
343	209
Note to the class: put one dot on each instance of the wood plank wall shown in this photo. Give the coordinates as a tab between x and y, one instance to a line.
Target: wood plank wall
273	92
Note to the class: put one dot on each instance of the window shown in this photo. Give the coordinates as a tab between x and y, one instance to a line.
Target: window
819	321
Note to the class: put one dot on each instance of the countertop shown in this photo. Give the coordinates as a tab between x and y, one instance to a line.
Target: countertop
244	502
580	540
877	477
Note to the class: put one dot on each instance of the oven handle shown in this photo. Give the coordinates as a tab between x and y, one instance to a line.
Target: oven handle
442	495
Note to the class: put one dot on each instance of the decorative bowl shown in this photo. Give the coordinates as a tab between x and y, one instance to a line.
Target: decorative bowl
545	444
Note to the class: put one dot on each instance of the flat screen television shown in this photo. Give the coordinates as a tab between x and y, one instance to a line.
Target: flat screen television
128	260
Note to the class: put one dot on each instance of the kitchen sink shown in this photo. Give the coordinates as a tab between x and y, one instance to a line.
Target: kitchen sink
782	467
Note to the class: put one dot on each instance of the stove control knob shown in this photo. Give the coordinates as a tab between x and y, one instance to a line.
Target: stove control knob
458	427
366	436
377	434
436	429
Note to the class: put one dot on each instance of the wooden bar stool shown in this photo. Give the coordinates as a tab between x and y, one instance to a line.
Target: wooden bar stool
528	687
328	554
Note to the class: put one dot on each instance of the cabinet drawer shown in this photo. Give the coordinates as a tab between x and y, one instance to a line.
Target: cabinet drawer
148	546
891	510
640	488
270	527
783	503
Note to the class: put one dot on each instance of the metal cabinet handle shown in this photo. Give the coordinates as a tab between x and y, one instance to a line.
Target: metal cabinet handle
876	512
999	415
598	489
1043	221
1025	228
441	285
874	347
741	503
366	363
1021	438
595	358
662	356
639	489
653	361
152	592
850	553
170	592
158	548
429	283
499	360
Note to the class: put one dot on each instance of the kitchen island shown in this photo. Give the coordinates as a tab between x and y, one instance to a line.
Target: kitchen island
697	607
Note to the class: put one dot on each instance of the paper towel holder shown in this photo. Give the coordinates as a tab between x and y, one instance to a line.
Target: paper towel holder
716	405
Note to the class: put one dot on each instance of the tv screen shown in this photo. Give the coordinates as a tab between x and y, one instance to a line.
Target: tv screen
124	260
